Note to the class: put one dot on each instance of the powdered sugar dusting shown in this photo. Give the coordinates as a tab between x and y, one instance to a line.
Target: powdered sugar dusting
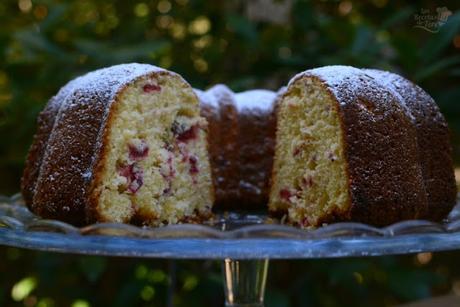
434	149
242	129
253	100
334	76
262	100
100	87
109	80
384	113
206	98
412	98
220	92
214	99
352	85
343	81
75	141
216	95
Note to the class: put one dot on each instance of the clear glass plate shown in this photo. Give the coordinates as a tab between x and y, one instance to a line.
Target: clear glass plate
233	235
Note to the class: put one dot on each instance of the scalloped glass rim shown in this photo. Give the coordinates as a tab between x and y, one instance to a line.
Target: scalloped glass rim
234	235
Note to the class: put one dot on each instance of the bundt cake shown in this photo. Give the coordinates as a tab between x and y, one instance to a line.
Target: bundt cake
241	143
135	143
359	145
121	144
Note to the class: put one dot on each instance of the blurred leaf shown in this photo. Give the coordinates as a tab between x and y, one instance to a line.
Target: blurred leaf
243	27
397	18
436	67
276	299
55	16
34	44
412	285
442	39
303	14
448	100
407	50
363	42
113	54
93	267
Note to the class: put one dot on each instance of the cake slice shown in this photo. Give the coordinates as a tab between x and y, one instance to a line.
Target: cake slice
345	150
122	144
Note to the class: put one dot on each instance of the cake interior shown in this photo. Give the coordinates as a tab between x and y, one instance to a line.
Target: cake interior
157	168
309	176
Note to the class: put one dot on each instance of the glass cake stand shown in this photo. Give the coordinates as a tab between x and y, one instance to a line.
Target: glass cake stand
243	241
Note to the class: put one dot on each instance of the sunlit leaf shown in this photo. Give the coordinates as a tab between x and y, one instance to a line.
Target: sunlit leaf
23	288
436	67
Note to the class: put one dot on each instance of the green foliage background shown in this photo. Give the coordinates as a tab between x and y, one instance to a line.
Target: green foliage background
45	43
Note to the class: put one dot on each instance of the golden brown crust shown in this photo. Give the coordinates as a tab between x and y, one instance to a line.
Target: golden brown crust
433	141
385	181
256	145
92	214
34	158
241	139
66	172
222	137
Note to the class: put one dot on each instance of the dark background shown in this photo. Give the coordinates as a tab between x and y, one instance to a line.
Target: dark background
44	44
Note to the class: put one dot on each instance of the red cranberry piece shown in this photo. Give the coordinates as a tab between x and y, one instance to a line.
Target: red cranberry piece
193	165
167	191
135	185
168	176
307	182
125	170
138	151
134	176
137	179
184	135
171	170
150	87
187	135
296	151
285	194
305	222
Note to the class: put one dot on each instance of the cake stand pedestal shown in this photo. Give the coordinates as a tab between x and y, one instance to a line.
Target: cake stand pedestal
244	282
243	242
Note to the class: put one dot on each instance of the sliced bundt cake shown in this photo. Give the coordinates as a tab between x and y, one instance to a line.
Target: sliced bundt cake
348	149
121	144
129	143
